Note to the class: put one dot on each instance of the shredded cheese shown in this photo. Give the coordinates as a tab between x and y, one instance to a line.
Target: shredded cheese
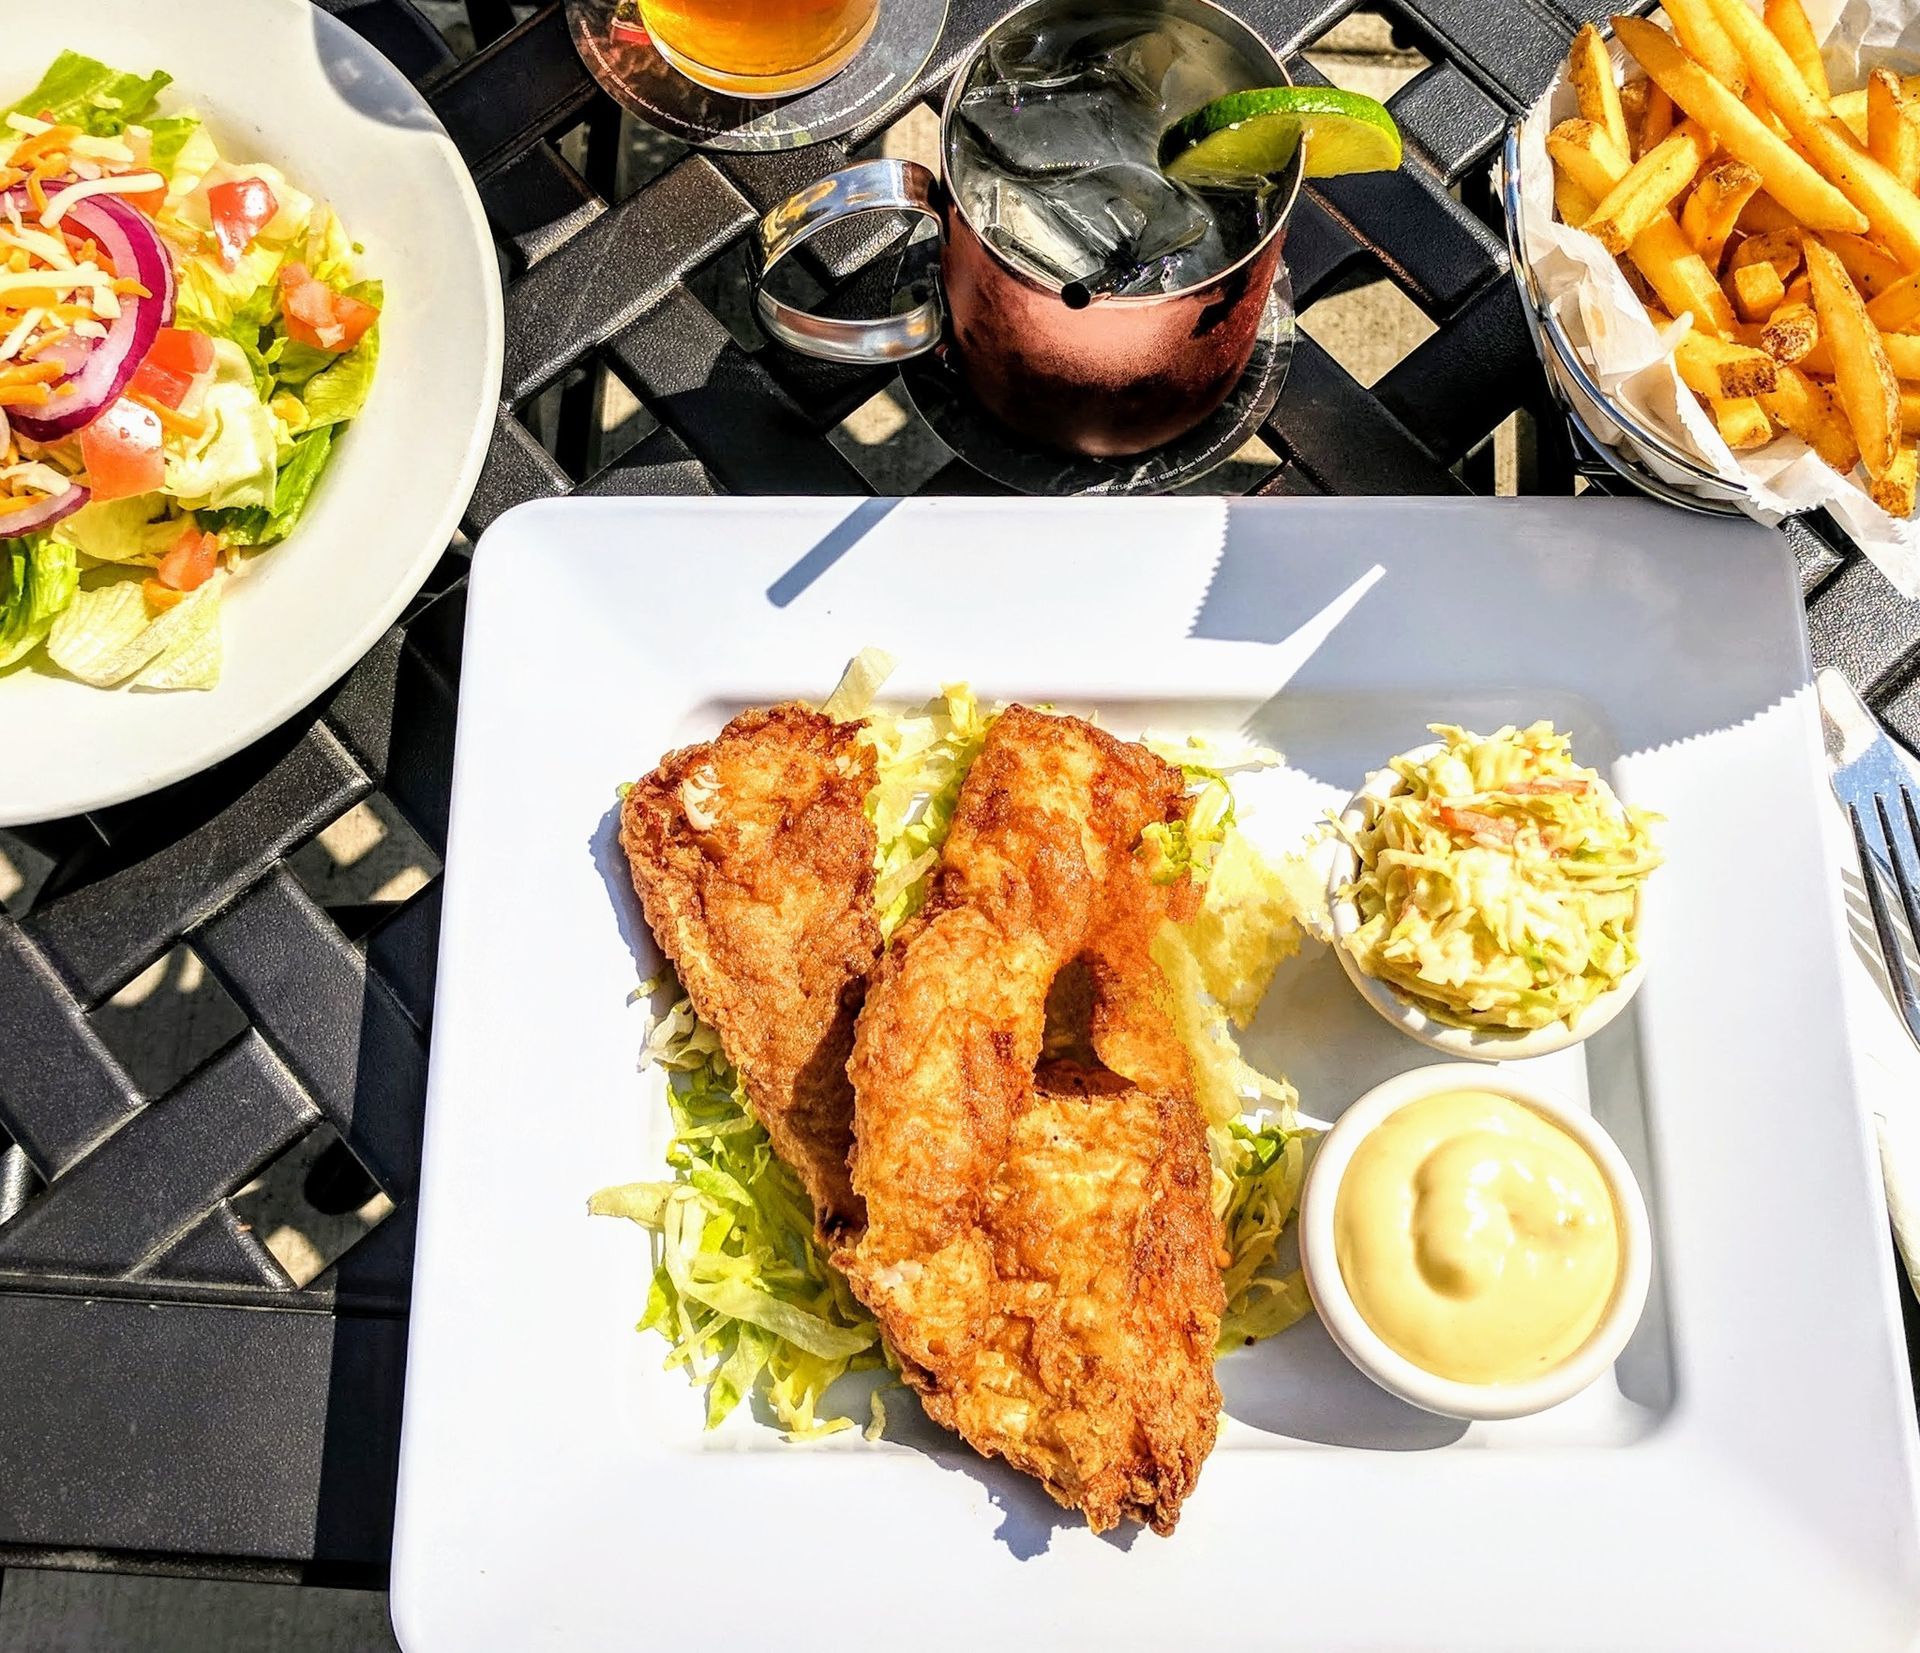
126	183
27	124
22	331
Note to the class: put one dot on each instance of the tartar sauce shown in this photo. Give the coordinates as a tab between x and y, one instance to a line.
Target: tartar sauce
1476	1237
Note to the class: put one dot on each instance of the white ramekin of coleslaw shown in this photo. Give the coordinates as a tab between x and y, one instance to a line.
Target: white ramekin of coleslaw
1486	894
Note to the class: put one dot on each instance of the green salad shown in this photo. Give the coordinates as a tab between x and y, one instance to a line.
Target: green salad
741	1290
1499	884
183	336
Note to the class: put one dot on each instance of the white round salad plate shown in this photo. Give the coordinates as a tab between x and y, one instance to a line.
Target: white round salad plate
283	82
1362	1345
1478	1044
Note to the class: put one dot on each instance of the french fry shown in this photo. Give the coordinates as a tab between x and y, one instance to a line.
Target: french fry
1893	489
1647	188
1778	248
1851	107
1659	119
1590	68
1893	129
1743	422
1902	352
1791	331
1873	271
1715	206
1787	20
1891	210
1717	369
1707	42
1898	308
1757	291
1677	274
1573	203
1910	410
1790	180
1864	381
1762	215
1633	105
1806	409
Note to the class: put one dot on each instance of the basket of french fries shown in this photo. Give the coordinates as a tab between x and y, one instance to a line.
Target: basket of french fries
1715	226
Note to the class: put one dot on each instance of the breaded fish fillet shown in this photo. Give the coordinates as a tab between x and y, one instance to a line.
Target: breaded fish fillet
753	858
1042	1253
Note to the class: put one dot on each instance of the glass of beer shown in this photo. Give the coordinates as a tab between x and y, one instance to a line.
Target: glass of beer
759	48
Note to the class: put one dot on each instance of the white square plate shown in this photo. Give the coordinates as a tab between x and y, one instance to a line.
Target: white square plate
1745	1479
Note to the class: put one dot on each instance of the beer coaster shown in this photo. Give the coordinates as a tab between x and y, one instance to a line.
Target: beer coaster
642	82
979	439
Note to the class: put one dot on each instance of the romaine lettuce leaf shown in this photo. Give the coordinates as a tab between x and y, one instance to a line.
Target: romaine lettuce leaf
107	635
294	364
293	487
168	137
338	393
136	530
84	92
41	578
224	302
192	158
234	462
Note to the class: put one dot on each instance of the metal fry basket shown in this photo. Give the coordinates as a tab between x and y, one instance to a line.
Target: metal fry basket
1613	434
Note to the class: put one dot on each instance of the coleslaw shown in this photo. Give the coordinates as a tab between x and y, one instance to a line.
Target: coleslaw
1499	884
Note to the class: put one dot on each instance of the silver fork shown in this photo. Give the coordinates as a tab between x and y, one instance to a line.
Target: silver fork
1883	806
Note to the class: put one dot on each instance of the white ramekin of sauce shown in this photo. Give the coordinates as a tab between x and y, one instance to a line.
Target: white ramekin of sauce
1473	1243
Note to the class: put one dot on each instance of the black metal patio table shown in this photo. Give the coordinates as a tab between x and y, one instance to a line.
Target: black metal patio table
169	1398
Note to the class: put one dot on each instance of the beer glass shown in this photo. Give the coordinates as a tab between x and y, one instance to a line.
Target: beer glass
759	48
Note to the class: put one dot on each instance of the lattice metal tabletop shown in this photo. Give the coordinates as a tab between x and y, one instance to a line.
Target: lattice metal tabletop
172	1394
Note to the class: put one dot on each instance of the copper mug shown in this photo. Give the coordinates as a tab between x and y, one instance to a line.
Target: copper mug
1106	377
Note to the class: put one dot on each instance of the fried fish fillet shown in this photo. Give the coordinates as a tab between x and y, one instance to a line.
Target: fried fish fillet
752	855
1041	1251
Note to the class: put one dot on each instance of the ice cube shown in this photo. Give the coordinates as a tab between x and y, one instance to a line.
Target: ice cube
1035	129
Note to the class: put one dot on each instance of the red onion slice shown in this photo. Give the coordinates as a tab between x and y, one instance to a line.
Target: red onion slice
42	513
136	251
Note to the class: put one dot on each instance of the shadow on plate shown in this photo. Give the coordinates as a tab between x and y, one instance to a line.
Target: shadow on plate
611	860
1300	1386
358	67
1029	1519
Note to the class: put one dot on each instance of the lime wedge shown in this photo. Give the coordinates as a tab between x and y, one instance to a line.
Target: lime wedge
1254	134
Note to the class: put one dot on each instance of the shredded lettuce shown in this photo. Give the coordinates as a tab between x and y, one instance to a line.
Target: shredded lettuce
921	757
41	579
81	91
1258	1171
741	1289
1499	884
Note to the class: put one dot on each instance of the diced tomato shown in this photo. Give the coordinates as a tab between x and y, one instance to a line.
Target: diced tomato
318	316
182	350
121	452
240	209
190	563
161	384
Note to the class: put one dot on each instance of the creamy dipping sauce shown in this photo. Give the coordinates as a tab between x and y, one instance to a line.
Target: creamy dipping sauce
1476	1237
